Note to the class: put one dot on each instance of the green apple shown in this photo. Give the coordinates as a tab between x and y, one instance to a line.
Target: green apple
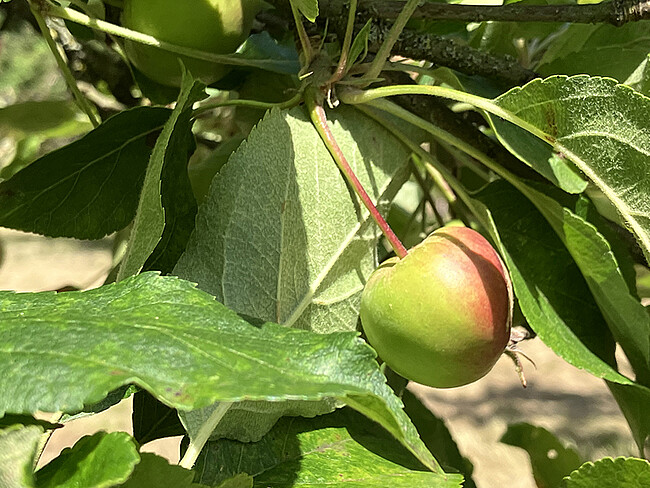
441	315
215	26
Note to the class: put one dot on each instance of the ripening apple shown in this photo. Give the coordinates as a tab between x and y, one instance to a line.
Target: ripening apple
441	315
215	26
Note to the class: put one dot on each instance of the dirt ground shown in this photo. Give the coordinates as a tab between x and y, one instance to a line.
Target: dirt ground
570	403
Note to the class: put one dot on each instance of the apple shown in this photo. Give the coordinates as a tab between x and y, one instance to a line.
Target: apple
441	315
215	26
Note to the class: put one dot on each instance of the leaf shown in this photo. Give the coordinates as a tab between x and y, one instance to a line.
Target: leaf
639	79
602	128
554	296
602	50
169	157
438	439
155	471
9	420
359	48
46	118
271	55
238	481
551	164
86	189
308	8
309	245
153	419
551	461
613	473
18	445
340	449
102	460
61	351
552	293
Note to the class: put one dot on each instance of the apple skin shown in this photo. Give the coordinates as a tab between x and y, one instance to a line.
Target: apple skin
441	315
216	26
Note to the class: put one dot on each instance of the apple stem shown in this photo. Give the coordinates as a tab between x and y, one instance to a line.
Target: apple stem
319	119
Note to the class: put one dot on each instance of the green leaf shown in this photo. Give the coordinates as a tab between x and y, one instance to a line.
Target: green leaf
359	48
308	8
554	296
550	459
437	438
98	461
640	78
169	157
340	449
552	293
276	57
238	481
9	420
612	473
86	189
61	351
603	50
551	164
47	118
155	471
602	128
18	445
309	244
153	419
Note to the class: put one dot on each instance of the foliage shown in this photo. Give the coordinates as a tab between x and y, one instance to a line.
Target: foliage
250	214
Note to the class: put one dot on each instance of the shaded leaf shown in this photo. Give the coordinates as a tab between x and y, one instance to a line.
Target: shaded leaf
555	302
340	449
152	419
47	118
18	445
155	471
537	154
188	350
86	189
168	160
275	57
98	461
550	459
308	8
552	293
612	473
603	50
437	438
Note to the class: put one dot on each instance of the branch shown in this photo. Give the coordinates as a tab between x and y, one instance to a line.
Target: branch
453	54
615	12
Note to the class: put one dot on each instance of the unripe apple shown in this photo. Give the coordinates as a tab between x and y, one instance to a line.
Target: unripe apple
215	26
441	315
